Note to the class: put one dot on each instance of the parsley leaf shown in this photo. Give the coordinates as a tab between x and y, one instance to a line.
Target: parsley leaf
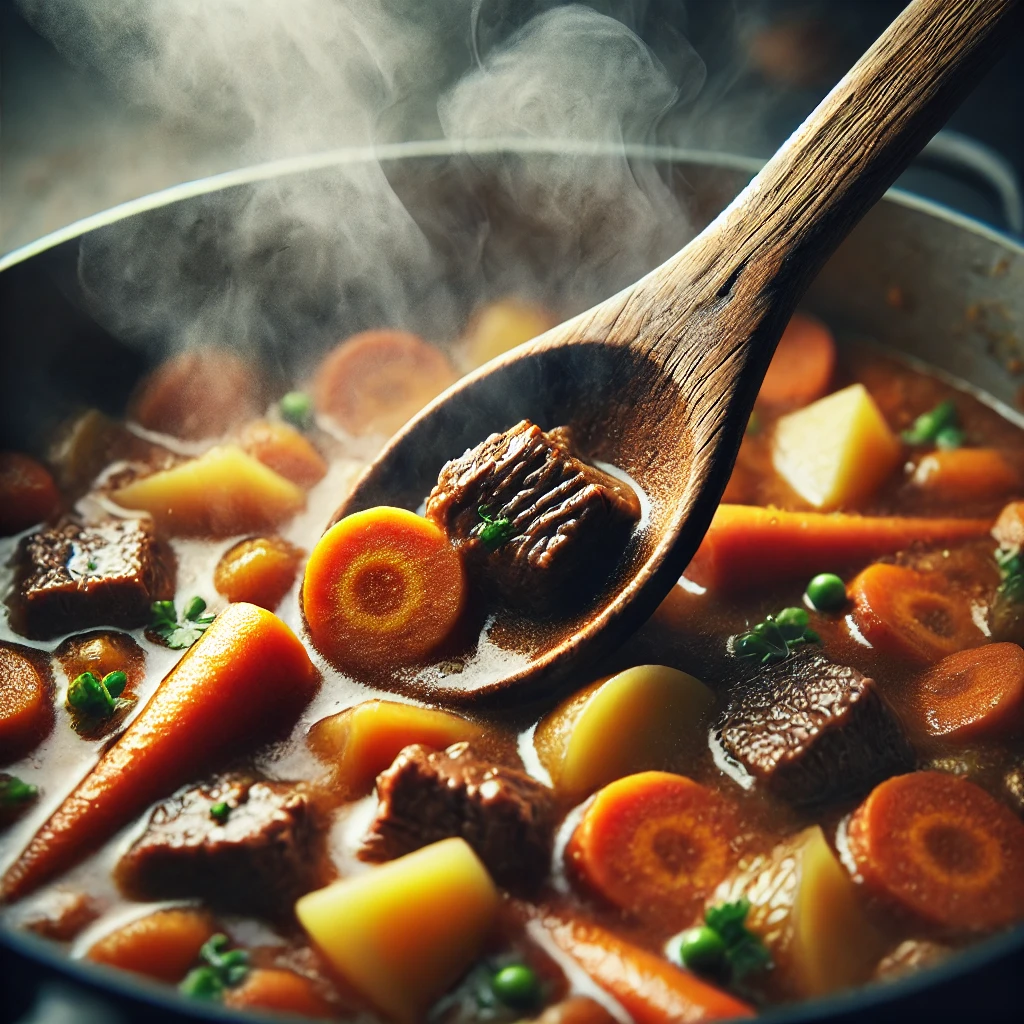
179	635
743	949
775	638
494	532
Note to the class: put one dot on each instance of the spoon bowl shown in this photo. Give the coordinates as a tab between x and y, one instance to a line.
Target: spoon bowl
660	379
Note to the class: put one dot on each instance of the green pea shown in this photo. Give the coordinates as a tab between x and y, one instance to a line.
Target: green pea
827	592
202	983
702	950
220	812
516	985
88	696
297	409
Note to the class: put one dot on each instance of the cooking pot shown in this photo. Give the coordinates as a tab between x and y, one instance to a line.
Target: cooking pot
930	284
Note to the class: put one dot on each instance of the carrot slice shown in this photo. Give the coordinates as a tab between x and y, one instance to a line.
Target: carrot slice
942	850
747	547
912	615
260	570
979	474
281	991
246	678
802	367
650	989
382	587
285	450
373	382
199	394
26	700
655	845
973	694
27	493
163	945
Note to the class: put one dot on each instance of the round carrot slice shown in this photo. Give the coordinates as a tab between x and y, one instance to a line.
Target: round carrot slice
654	844
975	694
260	570
382	588
375	381
26	707
27	493
802	367
912	615
942	850
285	450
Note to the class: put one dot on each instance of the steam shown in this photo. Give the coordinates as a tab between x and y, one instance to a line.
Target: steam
291	264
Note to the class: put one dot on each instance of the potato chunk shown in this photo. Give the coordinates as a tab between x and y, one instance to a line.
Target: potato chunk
361	742
633	721
404	932
222	493
837	451
807	911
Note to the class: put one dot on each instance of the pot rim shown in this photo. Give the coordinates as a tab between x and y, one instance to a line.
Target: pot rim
397	151
121	984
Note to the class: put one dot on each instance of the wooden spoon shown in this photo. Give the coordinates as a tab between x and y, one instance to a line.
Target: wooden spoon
661	378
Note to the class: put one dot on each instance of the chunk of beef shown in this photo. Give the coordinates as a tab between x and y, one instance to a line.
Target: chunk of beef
71	577
567	521
259	859
810	730
428	795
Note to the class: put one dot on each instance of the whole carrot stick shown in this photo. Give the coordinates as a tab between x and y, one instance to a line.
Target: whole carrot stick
245	679
747	546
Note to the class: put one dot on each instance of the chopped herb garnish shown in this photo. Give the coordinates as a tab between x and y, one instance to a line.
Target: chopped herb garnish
1011	568
775	638
14	793
940	422
91	566
495	532
115	682
222	968
175	634
89	697
723	946
220	812
297	409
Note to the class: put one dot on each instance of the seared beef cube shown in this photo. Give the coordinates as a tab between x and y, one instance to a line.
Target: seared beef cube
810	730
257	857
73	577
566	521
426	796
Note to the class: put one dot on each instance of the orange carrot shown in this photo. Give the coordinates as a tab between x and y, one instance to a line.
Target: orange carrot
260	570
978	474
245	679
941	850
654	844
163	945
26	700
285	450
373	382
382	587
199	394
802	367
747	547
28	494
912	615
279	991
1009	528
973	694
649	988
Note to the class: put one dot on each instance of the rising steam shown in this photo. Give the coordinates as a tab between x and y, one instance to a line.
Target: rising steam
291	264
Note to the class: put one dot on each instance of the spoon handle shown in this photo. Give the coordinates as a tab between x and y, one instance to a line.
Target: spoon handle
767	246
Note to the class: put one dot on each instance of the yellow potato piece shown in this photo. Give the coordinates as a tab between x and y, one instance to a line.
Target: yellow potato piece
222	493
362	741
807	911
630	722
837	451
405	932
500	326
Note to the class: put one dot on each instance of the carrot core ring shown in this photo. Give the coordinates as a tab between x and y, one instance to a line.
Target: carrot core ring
382	588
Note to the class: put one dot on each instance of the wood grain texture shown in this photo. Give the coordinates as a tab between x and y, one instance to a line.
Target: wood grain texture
660	379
